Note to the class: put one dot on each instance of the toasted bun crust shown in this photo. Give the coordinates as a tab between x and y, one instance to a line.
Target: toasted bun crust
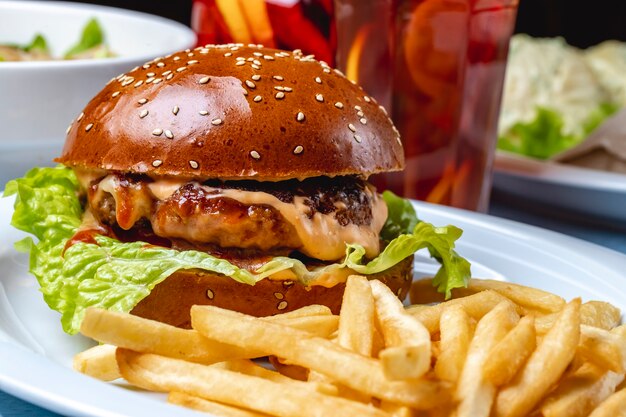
170	301
234	112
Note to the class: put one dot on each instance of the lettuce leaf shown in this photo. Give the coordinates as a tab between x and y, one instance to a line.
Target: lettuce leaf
116	275
91	37
543	137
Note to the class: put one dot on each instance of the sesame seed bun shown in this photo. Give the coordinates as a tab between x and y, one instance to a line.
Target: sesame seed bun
170	301
234	112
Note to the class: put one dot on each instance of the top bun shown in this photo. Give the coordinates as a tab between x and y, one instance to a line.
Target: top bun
234	112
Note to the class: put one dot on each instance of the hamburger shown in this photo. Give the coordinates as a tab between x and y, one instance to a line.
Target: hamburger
228	175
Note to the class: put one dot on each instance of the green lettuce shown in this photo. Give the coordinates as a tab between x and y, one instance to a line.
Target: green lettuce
544	137
91	37
114	275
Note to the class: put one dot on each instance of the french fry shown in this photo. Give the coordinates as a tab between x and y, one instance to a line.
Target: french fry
508	356
162	374
396	410
142	335
578	394
298	347
258	22
356	319
603	348
306	311
98	362
544	367
531	299
476	306
455	335
200	404
407	342
613	406
592	313
474	393
323	326
235	20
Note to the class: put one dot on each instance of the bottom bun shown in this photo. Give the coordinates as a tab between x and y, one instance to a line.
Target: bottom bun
171	301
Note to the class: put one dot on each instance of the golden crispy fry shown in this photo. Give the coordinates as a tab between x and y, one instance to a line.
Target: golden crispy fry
605	349
474	393
356	319
142	335
456	332
508	356
592	313
323	326
306	311
533	299
159	373
578	394
298	347
396	410
235	20
200	404
613	406
544	367
407	341
258	22
98	362
476	306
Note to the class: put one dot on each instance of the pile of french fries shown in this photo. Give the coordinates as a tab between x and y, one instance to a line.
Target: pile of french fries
495	349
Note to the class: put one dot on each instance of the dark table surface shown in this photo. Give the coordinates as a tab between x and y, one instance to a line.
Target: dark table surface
501	206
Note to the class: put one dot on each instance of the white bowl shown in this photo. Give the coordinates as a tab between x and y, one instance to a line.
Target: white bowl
39	99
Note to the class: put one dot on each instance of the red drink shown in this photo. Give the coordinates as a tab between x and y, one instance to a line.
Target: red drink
438	65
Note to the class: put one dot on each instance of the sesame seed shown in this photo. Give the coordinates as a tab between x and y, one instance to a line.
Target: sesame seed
288	89
250	84
280	95
245	92
351	127
282	305
363	120
176	58
216	122
256	99
166	73
268	57
68	129
157	163
117	93
203	112
298	150
357	138
175	110
195	165
143	114
327	70
190	54
149	80
279	88
318	80
339	105
146	66
169	134
250	59
256	62
204	80
339	72
234	48
240	58
256	77
150	74
142	101
256	67
255	155
127	82
319	98
300	117
181	69
278	77
88	127
257	54
367	99
239	63
80	117
279	295
399	140
193	61
384	110
138	83
157	132
158	80
358	108
227	54
169	77
160	65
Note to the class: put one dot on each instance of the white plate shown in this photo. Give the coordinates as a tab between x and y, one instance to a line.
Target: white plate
584	191
36	354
